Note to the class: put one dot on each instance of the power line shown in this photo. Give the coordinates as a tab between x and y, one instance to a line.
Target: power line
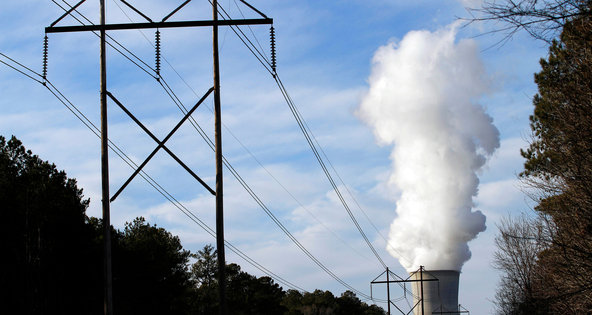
179	104
307	133
303	126
243	183
272	216
306	130
196	126
138	60
119	152
299	120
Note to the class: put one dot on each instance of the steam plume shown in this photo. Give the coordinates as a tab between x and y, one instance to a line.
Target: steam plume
422	99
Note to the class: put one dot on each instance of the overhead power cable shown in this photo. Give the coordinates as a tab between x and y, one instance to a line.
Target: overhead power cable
237	176
119	152
233	171
266	64
183	109
133	59
262	58
306	134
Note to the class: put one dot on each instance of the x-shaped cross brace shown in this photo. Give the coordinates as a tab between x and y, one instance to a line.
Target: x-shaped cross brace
161	143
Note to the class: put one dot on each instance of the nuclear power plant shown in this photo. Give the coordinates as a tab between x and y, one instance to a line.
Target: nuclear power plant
439	289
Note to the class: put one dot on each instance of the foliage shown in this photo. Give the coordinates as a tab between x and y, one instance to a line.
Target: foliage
203	275
54	265
321	302
150	271
248	294
41	221
558	169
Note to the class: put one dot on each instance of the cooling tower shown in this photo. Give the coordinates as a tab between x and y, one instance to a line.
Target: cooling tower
439	297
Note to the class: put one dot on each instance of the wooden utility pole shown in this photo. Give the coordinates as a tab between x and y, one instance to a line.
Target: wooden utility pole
388	291
103	28
219	177
108	275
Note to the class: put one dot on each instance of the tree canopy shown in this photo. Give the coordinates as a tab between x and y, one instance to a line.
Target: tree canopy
43	231
150	271
558	169
248	294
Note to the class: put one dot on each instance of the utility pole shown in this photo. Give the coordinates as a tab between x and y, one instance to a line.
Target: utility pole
421	287
104	93
388	291
219	177
108	275
401	280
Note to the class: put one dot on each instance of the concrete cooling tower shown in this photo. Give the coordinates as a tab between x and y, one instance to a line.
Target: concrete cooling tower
439	297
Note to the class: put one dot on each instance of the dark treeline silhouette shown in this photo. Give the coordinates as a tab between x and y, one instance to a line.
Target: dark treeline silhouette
52	258
545	259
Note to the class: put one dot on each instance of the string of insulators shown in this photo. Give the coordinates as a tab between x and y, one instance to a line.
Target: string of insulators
157	46
272	41
45	49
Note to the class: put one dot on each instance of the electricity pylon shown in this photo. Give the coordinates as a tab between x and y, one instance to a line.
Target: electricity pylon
106	199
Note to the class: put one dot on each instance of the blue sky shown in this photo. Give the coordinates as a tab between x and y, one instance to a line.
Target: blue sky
325	51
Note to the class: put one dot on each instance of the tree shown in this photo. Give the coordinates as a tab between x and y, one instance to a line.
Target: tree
150	271
559	164
324	302
292	302
543	20
45	242
203	275
203	271
518	246
52	261
349	304
246	294
318	302
558	169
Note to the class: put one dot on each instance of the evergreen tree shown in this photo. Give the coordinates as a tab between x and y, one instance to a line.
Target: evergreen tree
150	271
54	265
558	168
203	275
45	242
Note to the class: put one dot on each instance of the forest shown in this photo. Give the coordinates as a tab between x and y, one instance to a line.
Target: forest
54	258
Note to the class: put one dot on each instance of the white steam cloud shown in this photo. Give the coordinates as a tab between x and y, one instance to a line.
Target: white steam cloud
422	98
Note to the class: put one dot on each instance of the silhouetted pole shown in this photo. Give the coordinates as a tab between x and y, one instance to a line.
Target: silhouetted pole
388	291
108	277
219	186
421	287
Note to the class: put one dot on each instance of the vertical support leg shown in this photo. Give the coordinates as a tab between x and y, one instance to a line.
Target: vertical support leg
108	277
388	291
421	288
219	186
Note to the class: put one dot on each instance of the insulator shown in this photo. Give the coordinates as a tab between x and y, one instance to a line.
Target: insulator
272	41
157	52
45	53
